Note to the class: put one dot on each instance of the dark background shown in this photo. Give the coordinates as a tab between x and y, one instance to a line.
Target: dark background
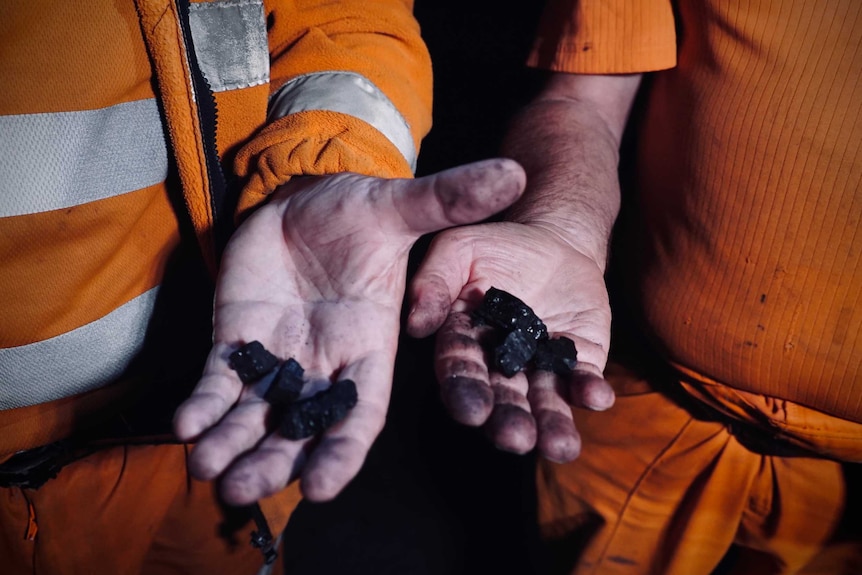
435	497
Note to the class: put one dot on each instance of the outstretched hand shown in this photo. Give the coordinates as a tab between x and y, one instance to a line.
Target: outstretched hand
566	290
318	274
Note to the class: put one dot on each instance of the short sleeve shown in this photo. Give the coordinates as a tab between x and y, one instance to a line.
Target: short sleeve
605	37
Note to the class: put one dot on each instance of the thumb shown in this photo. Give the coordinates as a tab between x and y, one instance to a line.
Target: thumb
462	195
439	281
431	297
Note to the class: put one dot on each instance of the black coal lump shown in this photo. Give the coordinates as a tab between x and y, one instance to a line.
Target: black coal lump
252	361
502	310
287	384
522	339
312	415
557	354
512	355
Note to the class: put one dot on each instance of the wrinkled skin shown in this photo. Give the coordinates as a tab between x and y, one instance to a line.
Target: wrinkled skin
566	290
318	274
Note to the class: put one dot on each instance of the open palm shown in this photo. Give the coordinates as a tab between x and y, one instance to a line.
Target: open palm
318	274
566	290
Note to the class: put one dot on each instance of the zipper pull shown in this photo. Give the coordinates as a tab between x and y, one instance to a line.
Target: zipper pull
262	538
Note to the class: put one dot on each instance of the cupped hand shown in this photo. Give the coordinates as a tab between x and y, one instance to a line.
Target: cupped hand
318	274
566	290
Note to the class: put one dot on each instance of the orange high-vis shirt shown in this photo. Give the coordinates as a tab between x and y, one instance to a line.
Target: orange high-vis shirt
744	252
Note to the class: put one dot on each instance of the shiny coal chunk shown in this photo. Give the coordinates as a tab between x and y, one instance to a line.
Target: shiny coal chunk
502	310
318	412
287	384
252	361
558	355
512	355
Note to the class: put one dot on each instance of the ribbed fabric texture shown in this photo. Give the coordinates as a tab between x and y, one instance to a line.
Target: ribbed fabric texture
606	37
748	266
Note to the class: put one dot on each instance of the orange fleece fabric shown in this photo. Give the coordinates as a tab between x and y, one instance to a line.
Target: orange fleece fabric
379	40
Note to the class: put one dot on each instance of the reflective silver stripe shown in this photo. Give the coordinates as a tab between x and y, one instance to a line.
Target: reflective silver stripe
230	43
348	93
83	359
64	159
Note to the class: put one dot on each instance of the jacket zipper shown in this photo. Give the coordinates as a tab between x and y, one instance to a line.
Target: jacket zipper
222	203
207	113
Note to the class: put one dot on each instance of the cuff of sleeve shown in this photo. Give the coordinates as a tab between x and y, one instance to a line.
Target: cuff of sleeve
606	37
315	142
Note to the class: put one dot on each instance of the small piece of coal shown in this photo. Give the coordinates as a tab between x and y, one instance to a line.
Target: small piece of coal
524	336
512	355
287	384
252	361
297	418
503	310
557	354
310	416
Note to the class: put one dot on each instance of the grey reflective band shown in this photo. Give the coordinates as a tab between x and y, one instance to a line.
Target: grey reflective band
348	93
63	159
230	43
84	359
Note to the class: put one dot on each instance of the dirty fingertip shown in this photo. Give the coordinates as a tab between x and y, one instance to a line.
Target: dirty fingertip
559	441
512	429
591	391
469	401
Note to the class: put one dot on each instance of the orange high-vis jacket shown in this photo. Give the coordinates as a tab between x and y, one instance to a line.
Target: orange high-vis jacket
109	108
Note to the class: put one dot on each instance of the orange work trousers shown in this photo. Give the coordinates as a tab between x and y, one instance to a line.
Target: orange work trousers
658	491
127	510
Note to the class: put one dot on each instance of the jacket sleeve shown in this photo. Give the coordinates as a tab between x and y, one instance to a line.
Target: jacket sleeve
605	37
351	91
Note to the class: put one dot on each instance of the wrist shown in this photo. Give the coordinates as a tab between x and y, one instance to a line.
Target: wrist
586	240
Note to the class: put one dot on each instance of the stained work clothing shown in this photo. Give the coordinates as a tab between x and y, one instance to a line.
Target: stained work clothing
739	249
133	135
748	179
129	509
658	490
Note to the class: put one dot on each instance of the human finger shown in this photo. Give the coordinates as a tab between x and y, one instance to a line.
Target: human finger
511	426
266	470
437	284
558	439
218	389
459	362
239	431
341	450
462	195
586	387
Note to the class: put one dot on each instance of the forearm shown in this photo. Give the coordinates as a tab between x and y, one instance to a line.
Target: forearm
568	142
